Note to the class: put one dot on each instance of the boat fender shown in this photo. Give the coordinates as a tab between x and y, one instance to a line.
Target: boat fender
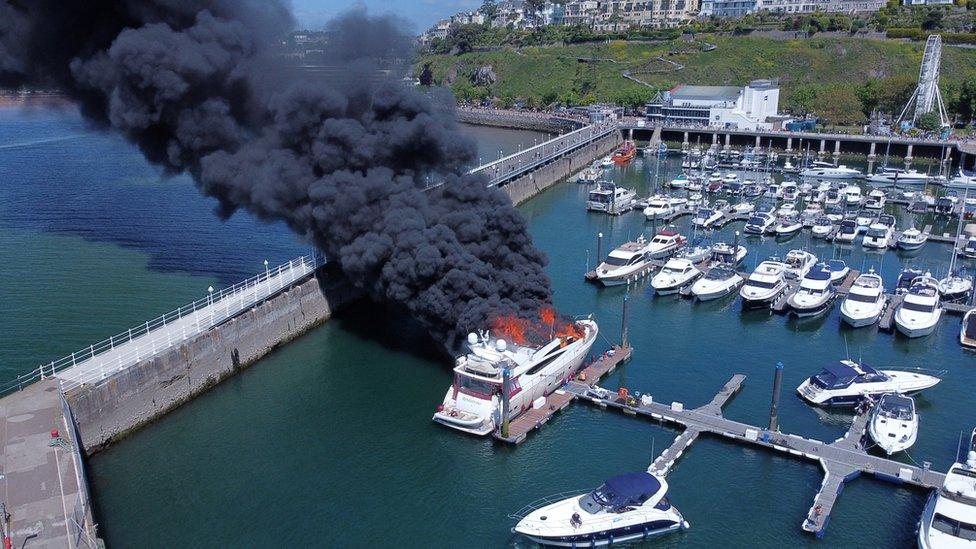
582	376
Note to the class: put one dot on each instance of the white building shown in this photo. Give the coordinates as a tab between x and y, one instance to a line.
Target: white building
749	108
926	2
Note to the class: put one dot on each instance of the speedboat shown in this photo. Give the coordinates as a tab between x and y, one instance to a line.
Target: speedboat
695	200
473	401
838	270
826	170
680	182
865	301
730	178
822	227
659	207
628	507
788	226
921	309
665	243
847	231
834	213
706	217
607	162
852	195
591	174
676	274
719	281
912	239
967	332
625	263
790	191
611	199
892	176
955	287
799	263
760	223
864	219
764	285
846	383
905	279
788	208
894	423
728	254
815	294
969	250
695	253
948	519
743	208
833	198
875	200
878	236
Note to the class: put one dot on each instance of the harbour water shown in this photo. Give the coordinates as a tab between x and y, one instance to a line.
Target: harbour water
328	441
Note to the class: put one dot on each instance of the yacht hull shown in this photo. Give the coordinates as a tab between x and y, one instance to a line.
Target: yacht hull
859	321
611	537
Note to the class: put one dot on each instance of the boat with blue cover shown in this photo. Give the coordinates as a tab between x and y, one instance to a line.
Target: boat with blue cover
846	383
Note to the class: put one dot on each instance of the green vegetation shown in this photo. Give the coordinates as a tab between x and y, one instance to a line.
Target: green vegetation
840	80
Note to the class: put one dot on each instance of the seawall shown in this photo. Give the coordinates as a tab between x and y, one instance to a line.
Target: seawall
534	183
517	120
131	398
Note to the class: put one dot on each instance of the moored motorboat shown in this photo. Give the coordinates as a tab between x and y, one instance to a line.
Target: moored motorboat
822	227
894	423
676	274
877	237
799	263
847	231
760	223
846	383
665	243
865	301
788	226
764	285
921	309
948	519
627	507
718	281
912	239
814	295
838	270
611	199
625	263
967	331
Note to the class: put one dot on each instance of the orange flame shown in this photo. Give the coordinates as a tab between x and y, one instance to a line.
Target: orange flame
548	326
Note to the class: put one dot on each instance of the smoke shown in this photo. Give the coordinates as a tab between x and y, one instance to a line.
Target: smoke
197	86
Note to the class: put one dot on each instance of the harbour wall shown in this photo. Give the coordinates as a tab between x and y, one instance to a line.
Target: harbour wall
546	176
518	120
131	398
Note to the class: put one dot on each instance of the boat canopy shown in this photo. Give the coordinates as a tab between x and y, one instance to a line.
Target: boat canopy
838	375
897	406
822	273
625	490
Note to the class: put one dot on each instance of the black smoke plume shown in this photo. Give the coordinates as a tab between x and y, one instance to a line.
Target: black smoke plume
199	87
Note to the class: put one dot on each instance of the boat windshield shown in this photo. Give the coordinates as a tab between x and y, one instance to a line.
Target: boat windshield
760	284
476	387
719	273
861	298
600	197
616	261
877	233
897	407
953	527
756	220
840	375
919	307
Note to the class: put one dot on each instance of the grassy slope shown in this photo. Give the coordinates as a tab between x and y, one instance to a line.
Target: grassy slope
534	71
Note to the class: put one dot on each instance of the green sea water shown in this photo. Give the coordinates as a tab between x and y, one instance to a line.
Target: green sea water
328	440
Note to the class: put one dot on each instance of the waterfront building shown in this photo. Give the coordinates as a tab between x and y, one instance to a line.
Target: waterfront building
926	2
728	8
581	12
750	107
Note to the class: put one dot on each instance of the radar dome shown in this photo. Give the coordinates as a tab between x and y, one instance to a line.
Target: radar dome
473	338
501	345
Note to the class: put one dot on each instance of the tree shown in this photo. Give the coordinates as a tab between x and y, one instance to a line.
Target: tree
839	105
489	9
801	99
966	106
929	121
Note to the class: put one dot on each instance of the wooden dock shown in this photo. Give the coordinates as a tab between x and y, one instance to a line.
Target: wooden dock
520	427
887	321
842	460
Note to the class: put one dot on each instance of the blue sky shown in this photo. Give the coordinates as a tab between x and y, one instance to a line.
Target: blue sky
313	14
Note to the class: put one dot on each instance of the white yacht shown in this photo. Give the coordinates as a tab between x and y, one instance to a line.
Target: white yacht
847	231
894	423
815	294
967	331
679	182
695	253
764	285
665	243
611	199
921	308
838	270
878	236
629	507
826	170
473	402
949	517
865	301
969	249
852	196
799	263
788	208
625	263
719	281
955	287
676	274
607	162
875	200
892	176
743	208
659	207
728	254
788	226
822	227
760	223
846	383
706	217
912	239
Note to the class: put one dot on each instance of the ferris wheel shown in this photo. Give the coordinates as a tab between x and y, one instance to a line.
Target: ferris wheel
927	97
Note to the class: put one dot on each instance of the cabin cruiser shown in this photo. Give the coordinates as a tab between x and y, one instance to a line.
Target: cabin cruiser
865	301
788	208
695	253
625	263
661	207
892	176
833	198
473	403
676	274
969	250
847	231
627	507
730	178
912	239
852	195
894	423
838	270
921	308
728	254
591	174
696	184
864	219
719	281
846	383
790	191
611	199
949	517
815	294
743	208
665	243
764	285
788	226
695	200
834	213
706	217
955	287
607	162
822	227
967	332
680	182
875	200
799	263
905	279
760	223
826	170
878	236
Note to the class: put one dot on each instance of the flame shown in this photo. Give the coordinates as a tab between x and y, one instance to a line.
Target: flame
548	326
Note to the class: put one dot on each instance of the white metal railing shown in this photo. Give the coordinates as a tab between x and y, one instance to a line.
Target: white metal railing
148	339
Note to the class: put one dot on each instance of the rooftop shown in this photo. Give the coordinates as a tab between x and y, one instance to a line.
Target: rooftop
705	93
